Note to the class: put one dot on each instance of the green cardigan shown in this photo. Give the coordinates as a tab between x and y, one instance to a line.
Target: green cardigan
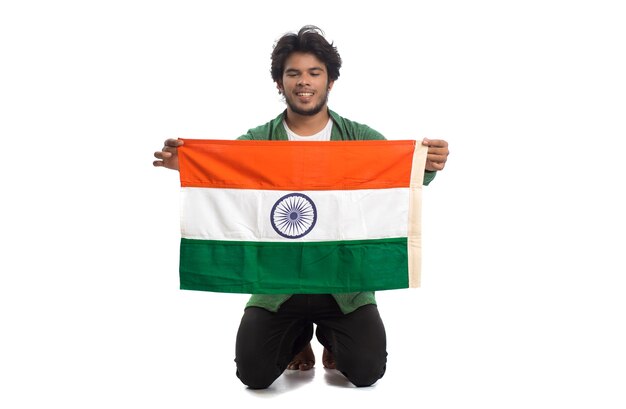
343	129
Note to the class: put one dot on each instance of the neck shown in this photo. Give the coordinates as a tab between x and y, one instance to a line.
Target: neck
305	125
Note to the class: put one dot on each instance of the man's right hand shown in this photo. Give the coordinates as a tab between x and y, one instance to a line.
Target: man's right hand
168	155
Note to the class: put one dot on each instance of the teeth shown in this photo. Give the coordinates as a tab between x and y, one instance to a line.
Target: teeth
305	94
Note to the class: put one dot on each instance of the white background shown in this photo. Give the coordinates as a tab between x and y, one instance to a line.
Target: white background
522	301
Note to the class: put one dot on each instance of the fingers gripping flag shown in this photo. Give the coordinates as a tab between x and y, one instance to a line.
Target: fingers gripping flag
280	217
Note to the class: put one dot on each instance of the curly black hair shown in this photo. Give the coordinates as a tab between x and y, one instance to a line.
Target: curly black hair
310	39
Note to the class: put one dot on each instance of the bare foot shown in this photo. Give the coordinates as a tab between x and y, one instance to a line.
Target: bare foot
328	359
304	360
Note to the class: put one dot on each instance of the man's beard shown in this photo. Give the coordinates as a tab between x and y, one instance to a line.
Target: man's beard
307	112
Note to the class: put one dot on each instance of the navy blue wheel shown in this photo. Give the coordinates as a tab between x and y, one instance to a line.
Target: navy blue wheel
293	215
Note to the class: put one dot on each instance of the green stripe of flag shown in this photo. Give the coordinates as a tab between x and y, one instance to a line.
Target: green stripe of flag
292	268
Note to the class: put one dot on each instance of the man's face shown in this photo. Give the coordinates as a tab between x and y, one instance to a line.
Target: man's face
305	84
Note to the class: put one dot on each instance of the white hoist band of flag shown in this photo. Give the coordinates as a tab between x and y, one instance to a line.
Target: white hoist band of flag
281	217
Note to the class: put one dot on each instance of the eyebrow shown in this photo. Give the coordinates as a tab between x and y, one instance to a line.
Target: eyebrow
294	70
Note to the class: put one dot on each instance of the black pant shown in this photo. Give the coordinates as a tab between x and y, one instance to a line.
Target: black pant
267	341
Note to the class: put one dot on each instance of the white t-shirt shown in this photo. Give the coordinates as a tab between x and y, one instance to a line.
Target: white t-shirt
323	135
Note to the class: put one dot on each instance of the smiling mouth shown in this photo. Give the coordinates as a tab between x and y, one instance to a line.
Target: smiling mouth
304	94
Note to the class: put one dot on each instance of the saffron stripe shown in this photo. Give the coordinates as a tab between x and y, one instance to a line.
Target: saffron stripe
285	165
291	268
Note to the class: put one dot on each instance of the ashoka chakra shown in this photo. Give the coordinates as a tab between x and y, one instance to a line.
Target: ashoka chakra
293	215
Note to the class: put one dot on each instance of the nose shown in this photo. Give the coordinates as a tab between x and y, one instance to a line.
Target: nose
303	80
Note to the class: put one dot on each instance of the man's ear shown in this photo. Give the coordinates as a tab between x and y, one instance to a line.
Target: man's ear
279	86
330	85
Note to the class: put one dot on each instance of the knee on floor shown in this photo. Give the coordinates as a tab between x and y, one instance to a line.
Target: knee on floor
257	376
362	372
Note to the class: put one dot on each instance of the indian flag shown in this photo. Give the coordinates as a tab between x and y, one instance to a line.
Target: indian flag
281	217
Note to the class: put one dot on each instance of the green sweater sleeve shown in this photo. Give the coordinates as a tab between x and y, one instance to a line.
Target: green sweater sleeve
429	175
270	131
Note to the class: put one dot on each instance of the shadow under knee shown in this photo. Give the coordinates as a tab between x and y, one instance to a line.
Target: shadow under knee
362	373
257	377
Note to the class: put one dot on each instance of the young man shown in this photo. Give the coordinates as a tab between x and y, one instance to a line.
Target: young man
276	330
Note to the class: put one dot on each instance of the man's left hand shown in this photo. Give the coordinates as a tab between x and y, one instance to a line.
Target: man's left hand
437	154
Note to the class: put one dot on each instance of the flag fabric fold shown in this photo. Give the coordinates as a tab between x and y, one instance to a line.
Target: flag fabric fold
281	217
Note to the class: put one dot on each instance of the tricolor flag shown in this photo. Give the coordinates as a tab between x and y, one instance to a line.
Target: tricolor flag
281	217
